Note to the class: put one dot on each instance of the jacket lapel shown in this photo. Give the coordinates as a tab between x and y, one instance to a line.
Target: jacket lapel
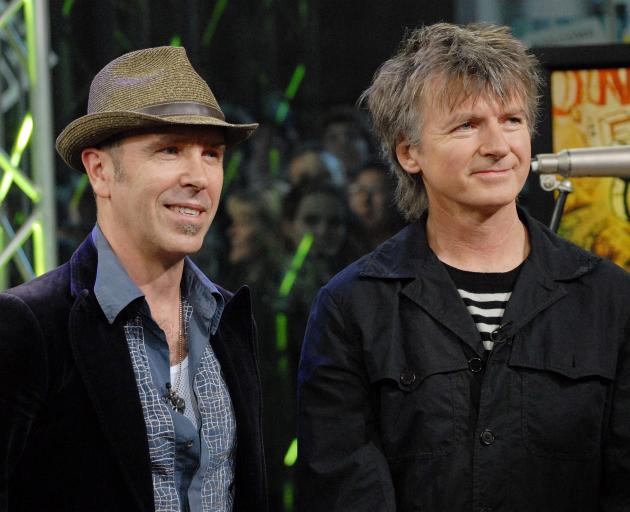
103	361
235	348
426	282
551	262
434	292
233	345
533	293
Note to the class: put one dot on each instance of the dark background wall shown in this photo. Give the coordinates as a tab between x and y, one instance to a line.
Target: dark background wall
247	50
253	51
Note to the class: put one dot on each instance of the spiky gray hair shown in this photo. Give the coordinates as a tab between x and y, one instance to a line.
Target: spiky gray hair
463	61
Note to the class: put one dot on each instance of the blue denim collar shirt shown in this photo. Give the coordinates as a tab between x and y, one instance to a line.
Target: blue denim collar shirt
192	454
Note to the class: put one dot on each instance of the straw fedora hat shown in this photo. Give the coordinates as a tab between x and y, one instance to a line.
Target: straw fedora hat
144	89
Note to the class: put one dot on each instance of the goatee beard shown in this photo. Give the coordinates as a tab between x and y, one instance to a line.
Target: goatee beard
188	229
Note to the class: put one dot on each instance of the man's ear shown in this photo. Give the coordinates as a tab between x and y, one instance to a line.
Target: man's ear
99	167
408	157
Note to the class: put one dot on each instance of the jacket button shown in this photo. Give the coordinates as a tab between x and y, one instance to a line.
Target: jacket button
189	444
407	377
475	365
487	437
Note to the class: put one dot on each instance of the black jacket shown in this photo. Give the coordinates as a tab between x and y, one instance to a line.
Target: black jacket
392	416
72	433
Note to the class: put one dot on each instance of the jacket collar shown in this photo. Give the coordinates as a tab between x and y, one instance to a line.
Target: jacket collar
555	258
401	256
406	254
408	257
83	267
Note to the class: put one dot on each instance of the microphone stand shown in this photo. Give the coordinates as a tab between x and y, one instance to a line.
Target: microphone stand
604	162
549	183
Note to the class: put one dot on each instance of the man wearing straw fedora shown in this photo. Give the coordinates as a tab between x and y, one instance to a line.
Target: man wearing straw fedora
128	380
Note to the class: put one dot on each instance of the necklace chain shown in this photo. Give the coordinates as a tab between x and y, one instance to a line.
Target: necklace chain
173	395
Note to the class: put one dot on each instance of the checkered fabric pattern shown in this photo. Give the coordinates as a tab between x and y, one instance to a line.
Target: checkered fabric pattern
218	431
159	424
218	426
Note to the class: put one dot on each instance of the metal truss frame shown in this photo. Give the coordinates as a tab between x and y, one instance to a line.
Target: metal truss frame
28	231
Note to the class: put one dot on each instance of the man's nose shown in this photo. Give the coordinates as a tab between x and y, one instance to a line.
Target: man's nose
196	171
494	141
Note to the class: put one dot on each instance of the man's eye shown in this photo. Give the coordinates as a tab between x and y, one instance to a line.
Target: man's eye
515	120
466	126
215	153
169	150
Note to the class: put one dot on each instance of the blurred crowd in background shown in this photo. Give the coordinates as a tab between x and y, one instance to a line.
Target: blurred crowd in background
294	212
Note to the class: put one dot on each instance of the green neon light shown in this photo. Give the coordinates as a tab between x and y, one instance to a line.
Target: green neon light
288	496
274	162
5	185
289	94
292	453
176	41
38	248
79	190
296	81
282	111
67	8
22	140
296	264
287	282
231	169
282	337
20	180
215	17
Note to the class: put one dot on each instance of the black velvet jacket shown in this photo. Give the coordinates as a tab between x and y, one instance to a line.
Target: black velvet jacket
72	433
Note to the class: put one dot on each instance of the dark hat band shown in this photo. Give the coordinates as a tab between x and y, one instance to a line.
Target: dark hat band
181	108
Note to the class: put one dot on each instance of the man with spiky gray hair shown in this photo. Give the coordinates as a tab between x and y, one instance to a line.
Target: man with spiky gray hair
475	361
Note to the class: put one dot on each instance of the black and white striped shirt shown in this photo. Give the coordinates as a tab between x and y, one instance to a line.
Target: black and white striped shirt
485	295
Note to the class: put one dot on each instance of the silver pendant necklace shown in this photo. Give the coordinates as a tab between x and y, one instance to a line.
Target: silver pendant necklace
172	395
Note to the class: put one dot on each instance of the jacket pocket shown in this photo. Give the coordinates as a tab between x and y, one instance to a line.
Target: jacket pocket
563	408
417	417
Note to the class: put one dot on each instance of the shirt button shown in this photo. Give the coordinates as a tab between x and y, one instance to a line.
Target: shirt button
407	377
189	444
487	437
475	365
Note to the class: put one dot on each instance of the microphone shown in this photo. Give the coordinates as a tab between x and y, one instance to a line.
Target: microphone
613	161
